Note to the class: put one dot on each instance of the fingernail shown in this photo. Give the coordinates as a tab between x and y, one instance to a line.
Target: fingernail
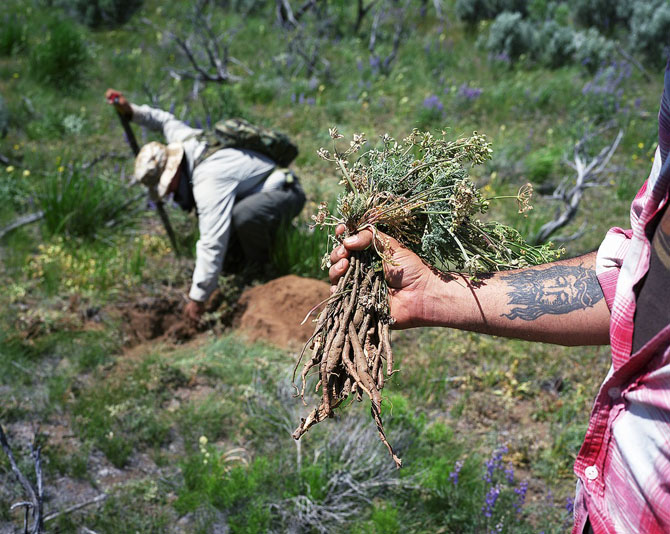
351	240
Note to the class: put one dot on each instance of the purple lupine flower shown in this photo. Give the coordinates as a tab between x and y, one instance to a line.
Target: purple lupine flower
433	102
310	101
569	505
172	108
208	120
375	62
490	501
495	462
607	82
498	528
503	57
198	124
509	473
359	65
313	83
453	476
469	93
293	98
520	496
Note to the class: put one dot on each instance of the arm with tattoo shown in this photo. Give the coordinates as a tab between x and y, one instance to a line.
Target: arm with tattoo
560	303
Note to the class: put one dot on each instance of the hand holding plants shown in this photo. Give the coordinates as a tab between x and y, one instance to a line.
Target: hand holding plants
409	279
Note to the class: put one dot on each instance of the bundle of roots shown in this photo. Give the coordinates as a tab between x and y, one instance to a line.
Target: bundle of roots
351	347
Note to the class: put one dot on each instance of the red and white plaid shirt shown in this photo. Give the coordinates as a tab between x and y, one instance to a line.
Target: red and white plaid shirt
624	463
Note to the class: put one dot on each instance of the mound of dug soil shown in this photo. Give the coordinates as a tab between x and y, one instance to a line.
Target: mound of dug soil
273	312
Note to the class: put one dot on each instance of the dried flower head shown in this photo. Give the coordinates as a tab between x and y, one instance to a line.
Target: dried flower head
523	199
334	134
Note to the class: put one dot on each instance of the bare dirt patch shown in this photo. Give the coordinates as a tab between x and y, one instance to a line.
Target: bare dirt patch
155	317
273	311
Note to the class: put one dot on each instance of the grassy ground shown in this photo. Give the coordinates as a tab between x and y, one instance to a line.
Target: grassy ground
196	437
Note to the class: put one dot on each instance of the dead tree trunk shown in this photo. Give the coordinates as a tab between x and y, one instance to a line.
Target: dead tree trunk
590	173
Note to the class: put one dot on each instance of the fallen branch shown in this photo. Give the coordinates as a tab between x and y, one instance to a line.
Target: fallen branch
75	507
33	507
21	221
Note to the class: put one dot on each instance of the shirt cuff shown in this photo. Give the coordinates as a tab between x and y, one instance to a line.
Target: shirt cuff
199	294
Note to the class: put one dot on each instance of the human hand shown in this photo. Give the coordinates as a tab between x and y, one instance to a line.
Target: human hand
119	101
411	282
193	311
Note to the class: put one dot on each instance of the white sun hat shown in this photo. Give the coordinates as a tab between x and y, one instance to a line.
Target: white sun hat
156	165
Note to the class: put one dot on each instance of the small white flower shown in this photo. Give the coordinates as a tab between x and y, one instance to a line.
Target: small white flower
334	133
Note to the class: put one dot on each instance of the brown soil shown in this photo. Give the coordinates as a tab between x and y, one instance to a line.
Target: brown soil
273	311
153	318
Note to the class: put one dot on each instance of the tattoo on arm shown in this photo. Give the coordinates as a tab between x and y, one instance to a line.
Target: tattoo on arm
558	290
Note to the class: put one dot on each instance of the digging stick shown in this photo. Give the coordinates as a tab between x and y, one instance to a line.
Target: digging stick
130	136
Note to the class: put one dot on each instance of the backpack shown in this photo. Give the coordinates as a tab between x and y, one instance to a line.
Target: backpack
239	133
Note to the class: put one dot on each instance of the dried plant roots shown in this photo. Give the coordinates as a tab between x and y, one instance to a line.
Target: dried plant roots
350	347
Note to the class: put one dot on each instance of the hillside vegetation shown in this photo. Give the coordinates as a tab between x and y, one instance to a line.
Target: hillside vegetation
195	435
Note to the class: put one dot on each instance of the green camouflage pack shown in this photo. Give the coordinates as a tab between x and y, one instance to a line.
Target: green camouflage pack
239	133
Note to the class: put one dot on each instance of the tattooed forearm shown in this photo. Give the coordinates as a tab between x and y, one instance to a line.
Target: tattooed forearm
557	290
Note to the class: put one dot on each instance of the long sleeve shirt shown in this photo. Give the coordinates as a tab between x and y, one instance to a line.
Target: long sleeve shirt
624	463
219	180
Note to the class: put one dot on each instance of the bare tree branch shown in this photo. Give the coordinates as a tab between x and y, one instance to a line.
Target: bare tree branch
590	173
21	221
285	15
210	57
75	507
33	507
361	12
400	20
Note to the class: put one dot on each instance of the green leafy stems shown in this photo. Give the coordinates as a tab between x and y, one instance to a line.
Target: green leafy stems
420	192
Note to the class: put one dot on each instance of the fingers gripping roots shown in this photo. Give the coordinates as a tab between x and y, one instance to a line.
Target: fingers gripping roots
350	340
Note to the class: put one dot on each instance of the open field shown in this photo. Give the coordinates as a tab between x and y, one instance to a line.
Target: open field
161	428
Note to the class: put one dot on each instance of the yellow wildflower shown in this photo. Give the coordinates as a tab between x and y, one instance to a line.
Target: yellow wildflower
10	168
26	173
